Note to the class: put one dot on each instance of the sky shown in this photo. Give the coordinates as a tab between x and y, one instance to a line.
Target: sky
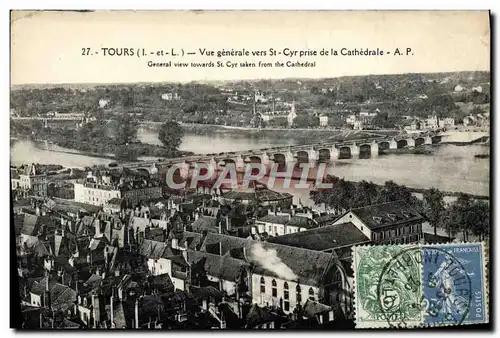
47	47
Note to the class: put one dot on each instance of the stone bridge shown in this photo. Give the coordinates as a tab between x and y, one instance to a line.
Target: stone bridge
310	153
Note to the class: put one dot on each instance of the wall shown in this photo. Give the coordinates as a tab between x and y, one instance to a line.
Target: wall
160	266
269	228
179	284
350	217
262	299
36	300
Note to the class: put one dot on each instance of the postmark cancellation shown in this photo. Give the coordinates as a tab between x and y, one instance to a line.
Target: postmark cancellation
405	286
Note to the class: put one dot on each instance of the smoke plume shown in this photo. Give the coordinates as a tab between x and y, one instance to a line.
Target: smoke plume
269	260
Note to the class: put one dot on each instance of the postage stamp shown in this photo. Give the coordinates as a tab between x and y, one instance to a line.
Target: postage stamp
405	286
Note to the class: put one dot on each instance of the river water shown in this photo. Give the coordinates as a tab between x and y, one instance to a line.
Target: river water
449	168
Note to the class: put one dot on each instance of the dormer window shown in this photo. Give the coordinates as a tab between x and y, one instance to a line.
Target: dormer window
377	219
406	214
392	217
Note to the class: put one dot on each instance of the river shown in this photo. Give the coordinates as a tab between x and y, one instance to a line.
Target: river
449	168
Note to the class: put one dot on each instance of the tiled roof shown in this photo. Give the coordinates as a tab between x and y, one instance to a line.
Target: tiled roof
313	308
326	218
224	267
302	222
32	224
307	265
207	223
323	238
387	214
276	219
152	249
191	239
259	315
14	174
140	223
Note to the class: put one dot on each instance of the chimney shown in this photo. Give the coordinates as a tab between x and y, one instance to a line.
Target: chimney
97	225
37	210
96	310
136	313
106	258
228	223
220	227
112	311
185	255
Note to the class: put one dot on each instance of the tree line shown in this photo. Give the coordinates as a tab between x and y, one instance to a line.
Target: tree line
464	215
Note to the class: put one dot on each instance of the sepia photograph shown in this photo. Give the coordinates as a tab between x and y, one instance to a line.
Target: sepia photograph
241	170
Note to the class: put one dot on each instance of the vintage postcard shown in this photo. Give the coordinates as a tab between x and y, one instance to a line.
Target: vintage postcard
238	170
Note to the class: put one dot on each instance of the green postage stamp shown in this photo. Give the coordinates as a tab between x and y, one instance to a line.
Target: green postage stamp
405	286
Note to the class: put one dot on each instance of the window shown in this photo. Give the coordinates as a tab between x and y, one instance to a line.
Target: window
262	285
382	235
287	297
298	294
411	228
311	294
275	288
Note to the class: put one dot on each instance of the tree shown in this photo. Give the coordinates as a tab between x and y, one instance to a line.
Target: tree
478	219
393	192
125	153
125	129
434	206
170	134
459	213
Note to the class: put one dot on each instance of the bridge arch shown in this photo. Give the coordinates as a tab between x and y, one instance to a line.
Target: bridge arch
324	155
279	158
402	143
436	139
419	141
365	148
383	145
345	152
254	159
302	156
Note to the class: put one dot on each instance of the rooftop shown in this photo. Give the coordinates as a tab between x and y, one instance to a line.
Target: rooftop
307	266
323	238
387	214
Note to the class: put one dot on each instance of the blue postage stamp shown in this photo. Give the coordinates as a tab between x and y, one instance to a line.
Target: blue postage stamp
454	284
407	286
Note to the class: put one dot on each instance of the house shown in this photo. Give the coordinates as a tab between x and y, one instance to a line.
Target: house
392	222
99	189
432	122
337	238
323	121
276	224
469	120
446	122
30	178
351	119
170	96
284	276
103	103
